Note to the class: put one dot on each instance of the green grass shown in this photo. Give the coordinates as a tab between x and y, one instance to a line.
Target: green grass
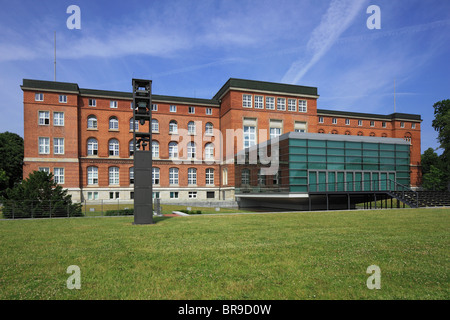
309	255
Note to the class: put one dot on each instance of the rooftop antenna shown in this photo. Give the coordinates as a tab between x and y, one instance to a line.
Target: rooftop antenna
54	71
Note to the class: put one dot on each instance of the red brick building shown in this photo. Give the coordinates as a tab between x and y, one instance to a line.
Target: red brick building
84	136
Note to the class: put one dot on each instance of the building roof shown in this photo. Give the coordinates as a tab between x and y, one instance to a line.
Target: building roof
388	117
242	84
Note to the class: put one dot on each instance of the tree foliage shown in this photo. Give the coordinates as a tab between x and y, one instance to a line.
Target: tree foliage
11	160
39	196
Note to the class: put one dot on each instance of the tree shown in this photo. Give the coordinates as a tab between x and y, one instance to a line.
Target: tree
429	158
11	159
434	180
39	196
441	124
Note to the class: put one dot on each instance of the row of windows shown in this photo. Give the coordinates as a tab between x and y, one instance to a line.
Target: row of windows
58	174
113	176
258	102
113	149
173	125
44	145
360	123
407	136
40	97
44	118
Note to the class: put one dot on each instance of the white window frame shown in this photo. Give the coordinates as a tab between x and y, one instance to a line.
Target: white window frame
245	177
113	104
191	110
113	123
413	125
208	111
173	194
38	96
347	122
281	104
92	122
155	125
92	175
334	121
191	150
292	104
192	176
209	128
209	176
113	148
173	127
44	145
44	169
191	127
302	105
192	194
155	149
360	123
44	118
274	132
154	107
92	147
156	176
173	108
259	102
173	150
136	124
209	151
249	136
270	103
114	176
58	175
320	119
173	176
247	100
62	98
58	119
58	145
92	102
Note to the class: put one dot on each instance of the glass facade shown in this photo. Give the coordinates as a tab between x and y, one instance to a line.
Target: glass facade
328	163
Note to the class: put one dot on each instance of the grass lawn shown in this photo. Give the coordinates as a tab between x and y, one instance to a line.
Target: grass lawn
309	255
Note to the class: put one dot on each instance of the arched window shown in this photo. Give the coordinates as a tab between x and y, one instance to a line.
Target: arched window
334	132
360	133
113	147
209	151
209	175
372	134
131	149
192	176
321	131
173	150
347	133
92	175
155	125
155	149
92	122
132	175
191	150
407	136
92	147
191	127
245	177
173	127
113	123
113	175
136	124
209	128
384	135
173	176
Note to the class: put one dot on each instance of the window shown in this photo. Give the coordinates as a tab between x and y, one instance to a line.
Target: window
292	105
209	128
44	118
334	132
173	108
210	194
249	136
372	134
174	195
131	175
321	131
173	150
261	178
270	103
225	176
192	176
136	125
360	123
360	133
131	148
191	150
92	175
44	145
245	177
114	147
38	97
209	151
300	126
413	125
383	124
320	119
334	121
275	132
155	125
209	111
209	176
173	127
92	195
154	107
347	133
402	124
58	175
302	106
192	194
58	118
62	98
173	176
191	110
155	175
92	103
92	122
113	104
113	123
281	104
191	127
372	123
247	100
58	145
155	195
259	102
113	175
114	195
155	149
44	169
347	122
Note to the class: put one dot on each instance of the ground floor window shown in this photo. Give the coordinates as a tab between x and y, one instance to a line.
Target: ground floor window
192	194
210	194
174	195
92	195
114	195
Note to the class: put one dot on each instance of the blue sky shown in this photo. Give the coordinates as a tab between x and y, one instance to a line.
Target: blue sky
192	47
